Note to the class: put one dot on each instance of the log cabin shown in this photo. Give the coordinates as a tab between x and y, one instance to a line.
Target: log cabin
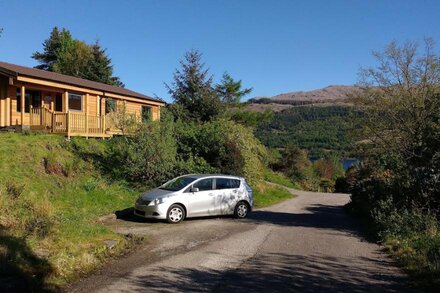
47	101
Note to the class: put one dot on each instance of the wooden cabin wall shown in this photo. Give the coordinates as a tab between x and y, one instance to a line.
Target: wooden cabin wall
4	102
95	103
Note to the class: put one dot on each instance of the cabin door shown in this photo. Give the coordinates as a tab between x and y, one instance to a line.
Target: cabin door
33	98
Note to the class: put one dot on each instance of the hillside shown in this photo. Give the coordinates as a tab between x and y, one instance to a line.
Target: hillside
319	130
51	199
330	95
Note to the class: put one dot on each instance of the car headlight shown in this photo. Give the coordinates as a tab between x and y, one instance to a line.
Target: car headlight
156	202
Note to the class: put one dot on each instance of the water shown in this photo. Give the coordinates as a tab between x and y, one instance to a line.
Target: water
346	162
349	162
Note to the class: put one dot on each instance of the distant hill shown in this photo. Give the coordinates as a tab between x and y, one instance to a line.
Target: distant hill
333	94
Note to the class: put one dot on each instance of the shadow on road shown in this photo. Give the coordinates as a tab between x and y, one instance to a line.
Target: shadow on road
316	216
278	273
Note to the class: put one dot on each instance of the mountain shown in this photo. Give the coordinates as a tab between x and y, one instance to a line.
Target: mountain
333	94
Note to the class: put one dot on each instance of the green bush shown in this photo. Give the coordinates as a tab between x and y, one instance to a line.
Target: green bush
223	146
147	157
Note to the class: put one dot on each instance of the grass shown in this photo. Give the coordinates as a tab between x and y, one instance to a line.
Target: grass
50	201
419	255
266	194
279	179
52	195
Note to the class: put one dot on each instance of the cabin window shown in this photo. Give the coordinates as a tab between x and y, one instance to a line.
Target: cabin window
59	103
110	105
75	102
31	98
146	113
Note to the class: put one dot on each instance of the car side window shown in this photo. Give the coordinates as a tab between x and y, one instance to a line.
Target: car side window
226	183
205	184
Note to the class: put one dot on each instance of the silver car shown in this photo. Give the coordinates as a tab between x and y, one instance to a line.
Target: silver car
196	195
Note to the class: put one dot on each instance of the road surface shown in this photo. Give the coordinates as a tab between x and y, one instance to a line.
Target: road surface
306	244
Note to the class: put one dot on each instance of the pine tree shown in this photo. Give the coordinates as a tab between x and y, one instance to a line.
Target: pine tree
66	55
50	47
100	68
192	91
230	90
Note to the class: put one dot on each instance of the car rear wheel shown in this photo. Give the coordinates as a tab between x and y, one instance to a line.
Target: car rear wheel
175	214
241	210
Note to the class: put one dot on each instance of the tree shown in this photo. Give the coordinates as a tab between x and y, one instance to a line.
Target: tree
230	90
99	67
51	46
73	58
66	55
295	162
121	119
402	122
192	92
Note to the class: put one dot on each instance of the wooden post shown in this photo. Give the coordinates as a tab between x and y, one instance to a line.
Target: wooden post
22	95
52	102
54	125
103	123
30	115
8	110
86	102
66	101
68	124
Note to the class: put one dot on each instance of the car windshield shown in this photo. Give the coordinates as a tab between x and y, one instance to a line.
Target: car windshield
177	183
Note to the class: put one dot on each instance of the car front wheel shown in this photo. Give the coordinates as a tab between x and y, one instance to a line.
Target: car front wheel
241	210
176	214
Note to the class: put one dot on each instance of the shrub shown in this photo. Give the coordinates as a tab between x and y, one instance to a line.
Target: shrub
148	156
222	145
233	149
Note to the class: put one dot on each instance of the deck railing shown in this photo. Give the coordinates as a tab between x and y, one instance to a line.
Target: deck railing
70	123
82	124
59	122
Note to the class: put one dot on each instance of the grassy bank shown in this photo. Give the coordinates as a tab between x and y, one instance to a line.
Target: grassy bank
419	255
411	238
266	194
280	179
52	195
50	201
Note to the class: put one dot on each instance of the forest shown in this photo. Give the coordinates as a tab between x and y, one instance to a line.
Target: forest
321	130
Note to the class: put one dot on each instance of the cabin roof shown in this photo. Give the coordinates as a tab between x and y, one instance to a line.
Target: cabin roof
16	70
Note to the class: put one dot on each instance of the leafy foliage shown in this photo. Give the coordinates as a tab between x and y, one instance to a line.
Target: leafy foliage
64	54
397	187
402	123
147	156
228	147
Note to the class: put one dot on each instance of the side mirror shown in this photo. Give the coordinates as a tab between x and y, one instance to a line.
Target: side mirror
194	190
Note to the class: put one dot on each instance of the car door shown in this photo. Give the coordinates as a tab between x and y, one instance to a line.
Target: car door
227	191
202	202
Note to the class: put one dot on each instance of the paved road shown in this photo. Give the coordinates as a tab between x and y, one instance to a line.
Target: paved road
307	244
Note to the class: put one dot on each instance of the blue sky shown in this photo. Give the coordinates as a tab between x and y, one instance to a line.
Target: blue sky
273	46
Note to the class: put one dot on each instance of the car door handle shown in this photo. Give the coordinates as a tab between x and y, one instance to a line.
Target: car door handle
235	191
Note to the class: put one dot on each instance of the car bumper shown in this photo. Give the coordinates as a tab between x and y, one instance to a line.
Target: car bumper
151	212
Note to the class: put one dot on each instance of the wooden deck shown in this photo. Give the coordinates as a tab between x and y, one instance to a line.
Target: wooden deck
69	124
